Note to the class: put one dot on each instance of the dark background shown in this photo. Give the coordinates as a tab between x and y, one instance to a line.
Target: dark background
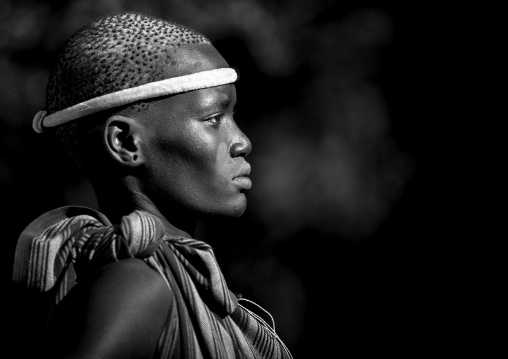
348	239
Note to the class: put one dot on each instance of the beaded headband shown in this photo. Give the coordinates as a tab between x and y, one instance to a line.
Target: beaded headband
174	85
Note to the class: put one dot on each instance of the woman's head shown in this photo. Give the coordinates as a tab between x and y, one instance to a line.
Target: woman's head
114	53
184	150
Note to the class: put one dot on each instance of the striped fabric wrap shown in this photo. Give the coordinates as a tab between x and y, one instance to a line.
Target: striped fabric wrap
206	320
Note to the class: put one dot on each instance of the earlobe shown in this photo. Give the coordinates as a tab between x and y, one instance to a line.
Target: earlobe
122	137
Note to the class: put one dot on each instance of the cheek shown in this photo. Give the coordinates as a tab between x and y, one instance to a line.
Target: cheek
193	155
200	149
211	167
222	156
213	163
224	166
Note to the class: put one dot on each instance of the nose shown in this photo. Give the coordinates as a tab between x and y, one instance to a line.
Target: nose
240	146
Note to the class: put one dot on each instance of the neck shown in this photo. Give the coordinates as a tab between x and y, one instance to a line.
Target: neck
118	201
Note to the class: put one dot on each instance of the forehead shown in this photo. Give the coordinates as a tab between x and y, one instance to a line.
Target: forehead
191	59
197	103
194	58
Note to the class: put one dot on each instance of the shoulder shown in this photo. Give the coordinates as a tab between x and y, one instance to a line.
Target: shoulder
120	311
129	276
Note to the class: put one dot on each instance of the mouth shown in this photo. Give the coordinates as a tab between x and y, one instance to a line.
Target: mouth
242	177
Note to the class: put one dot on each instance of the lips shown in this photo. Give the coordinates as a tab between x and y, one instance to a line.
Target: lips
242	177
244	171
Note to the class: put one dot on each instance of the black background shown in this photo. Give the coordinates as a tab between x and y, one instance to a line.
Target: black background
396	291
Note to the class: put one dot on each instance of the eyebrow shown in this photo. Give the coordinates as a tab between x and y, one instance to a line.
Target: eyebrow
225	102
221	102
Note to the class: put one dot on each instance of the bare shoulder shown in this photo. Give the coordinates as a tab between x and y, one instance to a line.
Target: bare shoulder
118	313
133	277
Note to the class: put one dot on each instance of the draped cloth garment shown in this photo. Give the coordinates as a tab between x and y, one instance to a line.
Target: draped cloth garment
205	320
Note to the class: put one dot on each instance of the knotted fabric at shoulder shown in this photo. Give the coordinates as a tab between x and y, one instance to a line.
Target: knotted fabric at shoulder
60	244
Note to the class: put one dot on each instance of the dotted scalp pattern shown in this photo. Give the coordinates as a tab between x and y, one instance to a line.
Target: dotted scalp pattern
114	53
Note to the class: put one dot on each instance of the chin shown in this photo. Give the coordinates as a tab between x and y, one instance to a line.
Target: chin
224	210
240	207
234	211
239	211
231	210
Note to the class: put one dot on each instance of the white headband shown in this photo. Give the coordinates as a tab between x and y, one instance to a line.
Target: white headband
196	81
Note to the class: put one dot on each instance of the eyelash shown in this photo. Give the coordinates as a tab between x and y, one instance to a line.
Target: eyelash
213	119
220	117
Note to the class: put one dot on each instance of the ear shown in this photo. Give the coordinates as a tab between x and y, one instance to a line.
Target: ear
123	137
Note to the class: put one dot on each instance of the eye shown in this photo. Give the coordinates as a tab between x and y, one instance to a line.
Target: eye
216	119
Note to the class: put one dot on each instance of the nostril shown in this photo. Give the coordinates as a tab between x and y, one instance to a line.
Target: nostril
241	147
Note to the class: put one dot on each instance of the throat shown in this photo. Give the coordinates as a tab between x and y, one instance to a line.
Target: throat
118	201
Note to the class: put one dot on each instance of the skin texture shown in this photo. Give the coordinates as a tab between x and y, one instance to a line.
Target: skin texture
109	316
195	151
182	160
179	158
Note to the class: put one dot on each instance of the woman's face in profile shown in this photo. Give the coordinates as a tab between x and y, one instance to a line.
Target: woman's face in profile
195	152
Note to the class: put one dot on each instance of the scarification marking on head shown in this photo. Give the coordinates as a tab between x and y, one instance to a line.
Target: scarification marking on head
114	53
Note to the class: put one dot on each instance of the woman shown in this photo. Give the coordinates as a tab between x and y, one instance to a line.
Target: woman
145	108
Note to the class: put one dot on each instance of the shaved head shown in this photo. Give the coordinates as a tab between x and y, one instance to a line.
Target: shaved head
111	54
114	53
